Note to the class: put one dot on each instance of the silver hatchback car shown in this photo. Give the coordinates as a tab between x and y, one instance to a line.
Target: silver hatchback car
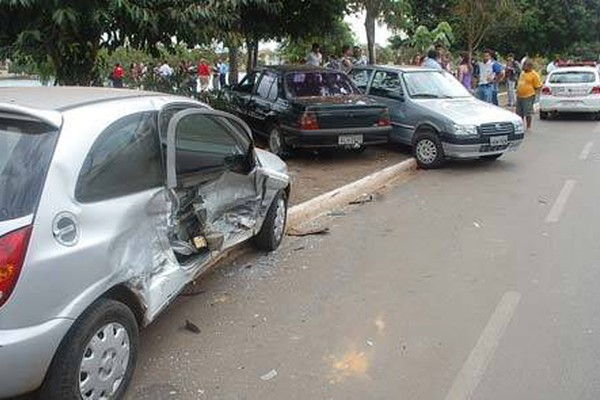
111	201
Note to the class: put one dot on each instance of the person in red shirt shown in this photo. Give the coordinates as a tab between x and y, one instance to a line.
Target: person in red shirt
203	74
117	76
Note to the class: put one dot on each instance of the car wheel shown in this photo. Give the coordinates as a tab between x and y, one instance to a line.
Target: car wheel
277	144
428	150
544	114
97	358
491	157
271	233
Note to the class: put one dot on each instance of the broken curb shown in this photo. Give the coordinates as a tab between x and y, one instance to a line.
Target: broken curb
341	196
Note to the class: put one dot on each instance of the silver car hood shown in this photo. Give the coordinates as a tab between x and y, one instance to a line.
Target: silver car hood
270	161
468	111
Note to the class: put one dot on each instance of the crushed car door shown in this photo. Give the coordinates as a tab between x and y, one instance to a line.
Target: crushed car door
211	169
387	87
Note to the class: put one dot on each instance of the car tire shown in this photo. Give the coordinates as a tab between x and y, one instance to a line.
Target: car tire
273	228
277	143
544	115
491	157
428	150
106	321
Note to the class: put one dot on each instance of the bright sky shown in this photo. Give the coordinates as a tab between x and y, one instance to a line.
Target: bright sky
357	23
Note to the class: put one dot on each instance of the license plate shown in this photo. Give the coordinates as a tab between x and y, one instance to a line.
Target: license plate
498	140
345	140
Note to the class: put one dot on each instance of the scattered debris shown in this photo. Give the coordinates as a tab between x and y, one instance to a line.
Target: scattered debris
369	343
248	266
269	375
476	224
309	232
543	201
299	248
336	213
365	198
545	234
190	326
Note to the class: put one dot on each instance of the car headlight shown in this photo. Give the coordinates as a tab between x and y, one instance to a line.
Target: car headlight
519	127
465	130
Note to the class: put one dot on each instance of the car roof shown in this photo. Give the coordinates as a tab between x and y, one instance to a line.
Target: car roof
575	69
296	68
396	68
62	98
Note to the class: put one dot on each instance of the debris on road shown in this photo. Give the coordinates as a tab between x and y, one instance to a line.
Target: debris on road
190	326
543	201
336	213
365	198
309	232
476	224
369	343
269	375
299	248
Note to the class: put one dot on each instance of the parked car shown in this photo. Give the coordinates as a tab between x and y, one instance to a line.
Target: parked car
307	107
571	90
432	112
111	201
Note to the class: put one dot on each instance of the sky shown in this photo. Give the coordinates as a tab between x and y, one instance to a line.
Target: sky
357	23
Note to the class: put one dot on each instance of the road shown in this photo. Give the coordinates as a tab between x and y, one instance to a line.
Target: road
477	281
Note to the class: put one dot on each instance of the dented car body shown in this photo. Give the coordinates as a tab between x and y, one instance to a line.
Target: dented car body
112	195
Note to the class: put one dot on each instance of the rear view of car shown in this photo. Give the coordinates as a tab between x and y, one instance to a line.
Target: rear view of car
571	90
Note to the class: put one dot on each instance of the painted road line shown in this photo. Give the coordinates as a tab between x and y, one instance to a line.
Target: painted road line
474	368
561	201
586	151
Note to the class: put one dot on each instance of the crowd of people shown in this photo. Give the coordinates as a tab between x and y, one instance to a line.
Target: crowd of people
199	77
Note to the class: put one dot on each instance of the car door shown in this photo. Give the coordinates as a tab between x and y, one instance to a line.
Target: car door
238	96
211	154
386	87
261	103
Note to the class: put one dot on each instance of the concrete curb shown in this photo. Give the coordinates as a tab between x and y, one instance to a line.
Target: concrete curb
341	196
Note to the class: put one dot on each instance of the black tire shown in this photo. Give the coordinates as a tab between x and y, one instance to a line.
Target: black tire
544	115
277	143
428	150
272	231
63	377
491	157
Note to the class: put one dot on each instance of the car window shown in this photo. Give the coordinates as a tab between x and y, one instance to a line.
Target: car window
264	86
572	77
319	84
247	83
26	148
433	85
361	77
274	92
386	84
205	143
125	159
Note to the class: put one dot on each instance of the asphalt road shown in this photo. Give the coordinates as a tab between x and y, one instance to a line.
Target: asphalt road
478	281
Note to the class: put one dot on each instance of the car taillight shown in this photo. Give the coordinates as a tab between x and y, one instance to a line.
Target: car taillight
384	119
13	247
596	90
308	121
546	91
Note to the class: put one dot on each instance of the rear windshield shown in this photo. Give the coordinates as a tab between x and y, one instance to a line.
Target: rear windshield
572	77
26	147
318	84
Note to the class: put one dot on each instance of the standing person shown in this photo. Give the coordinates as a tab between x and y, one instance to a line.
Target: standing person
431	61
223	71
485	86
498	71
215	76
346	61
315	57
359	56
117	75
527	86
204	74
553	64
333	63
465	72
513	70
165	70
417	60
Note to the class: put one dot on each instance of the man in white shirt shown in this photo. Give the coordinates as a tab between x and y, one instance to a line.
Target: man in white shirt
315	57
487	78
165	70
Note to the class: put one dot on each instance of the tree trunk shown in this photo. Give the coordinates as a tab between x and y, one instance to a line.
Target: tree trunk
233	65
252	46
370	21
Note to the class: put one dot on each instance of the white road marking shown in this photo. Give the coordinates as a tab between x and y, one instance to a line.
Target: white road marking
474	368
586	151
561	201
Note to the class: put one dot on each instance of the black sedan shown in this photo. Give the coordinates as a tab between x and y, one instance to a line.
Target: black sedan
307	107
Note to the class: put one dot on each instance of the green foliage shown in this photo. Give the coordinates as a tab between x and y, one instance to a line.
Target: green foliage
441	35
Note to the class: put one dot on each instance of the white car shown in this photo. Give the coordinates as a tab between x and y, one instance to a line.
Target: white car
571	90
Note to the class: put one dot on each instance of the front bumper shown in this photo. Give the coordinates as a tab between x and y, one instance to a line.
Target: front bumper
329	138
570	104
475	150
26	354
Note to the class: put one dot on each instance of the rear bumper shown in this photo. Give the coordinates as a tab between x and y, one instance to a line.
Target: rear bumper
570	104
329	138
26	354
456	150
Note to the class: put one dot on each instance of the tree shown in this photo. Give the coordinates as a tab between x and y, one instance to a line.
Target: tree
389	11
423	38
429	13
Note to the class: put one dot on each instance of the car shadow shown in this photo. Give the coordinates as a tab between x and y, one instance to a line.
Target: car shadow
572	117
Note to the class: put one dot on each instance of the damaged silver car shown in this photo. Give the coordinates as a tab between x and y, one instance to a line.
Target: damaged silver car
111	201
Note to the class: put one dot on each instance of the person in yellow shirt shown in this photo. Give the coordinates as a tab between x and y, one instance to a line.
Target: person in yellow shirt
527	86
